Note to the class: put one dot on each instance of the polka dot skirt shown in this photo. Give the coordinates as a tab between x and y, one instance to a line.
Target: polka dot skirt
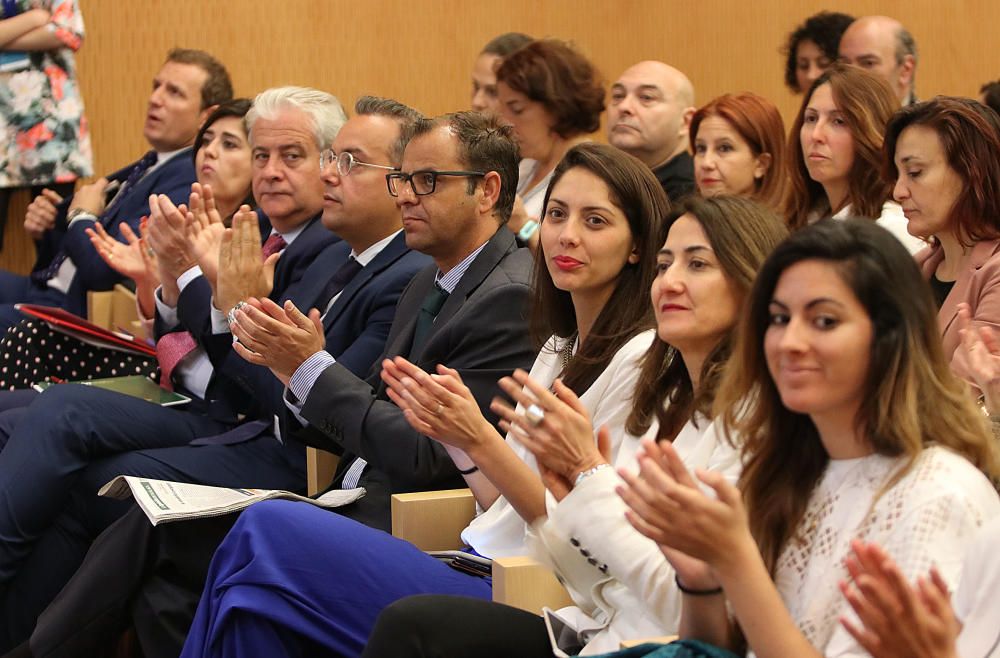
33	352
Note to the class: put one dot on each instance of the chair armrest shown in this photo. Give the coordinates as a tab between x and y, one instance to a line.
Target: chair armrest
99	306
525	583
320	467
662	639
432	520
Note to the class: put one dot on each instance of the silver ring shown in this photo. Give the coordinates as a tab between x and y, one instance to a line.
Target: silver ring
150	252
231	316
440	407
534	415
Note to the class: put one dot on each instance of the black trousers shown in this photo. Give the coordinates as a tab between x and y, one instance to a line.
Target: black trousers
137	575
436	626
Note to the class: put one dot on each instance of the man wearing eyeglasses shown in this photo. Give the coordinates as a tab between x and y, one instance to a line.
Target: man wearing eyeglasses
480	330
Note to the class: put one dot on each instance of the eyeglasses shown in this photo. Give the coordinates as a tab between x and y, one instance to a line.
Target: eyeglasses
422	182
345	162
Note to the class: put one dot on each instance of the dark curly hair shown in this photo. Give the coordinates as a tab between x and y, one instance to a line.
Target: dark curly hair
824	29
553	73
991	95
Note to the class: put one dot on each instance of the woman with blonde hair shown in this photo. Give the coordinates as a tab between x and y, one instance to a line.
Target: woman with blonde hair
852	427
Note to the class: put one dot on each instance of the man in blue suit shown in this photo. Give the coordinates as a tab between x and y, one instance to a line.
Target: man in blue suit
353	286
187	88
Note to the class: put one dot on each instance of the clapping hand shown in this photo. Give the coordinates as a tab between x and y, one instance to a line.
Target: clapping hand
898	621
41	214
439	406
278	337
980	350
242	275
205	229
555	426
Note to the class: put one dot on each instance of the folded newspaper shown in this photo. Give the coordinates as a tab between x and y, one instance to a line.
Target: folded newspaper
164	501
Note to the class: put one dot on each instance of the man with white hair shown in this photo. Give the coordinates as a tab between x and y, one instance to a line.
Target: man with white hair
883	46
649	115
67	431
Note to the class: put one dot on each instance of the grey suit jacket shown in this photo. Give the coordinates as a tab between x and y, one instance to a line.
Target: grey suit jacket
481	331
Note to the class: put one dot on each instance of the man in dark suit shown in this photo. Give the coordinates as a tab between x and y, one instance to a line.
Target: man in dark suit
185	91
70	430
480	330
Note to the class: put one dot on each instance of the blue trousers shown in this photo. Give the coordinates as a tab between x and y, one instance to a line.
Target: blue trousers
292	579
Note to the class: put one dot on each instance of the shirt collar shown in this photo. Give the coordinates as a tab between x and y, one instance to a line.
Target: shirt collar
449	281
369	254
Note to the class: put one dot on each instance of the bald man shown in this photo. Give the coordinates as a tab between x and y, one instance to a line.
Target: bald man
883	46
650	112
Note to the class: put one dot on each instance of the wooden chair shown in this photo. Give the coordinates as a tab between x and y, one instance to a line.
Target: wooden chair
320	467
114	310
434	520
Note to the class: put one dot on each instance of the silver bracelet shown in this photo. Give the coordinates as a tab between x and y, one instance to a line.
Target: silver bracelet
587	473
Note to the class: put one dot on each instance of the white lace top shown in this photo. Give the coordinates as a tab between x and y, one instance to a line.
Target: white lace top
927	518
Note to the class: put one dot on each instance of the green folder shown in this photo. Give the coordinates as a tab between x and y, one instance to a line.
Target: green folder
138	386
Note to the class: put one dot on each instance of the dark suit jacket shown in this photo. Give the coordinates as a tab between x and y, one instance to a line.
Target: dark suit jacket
356	326
173	179
227	398
481	332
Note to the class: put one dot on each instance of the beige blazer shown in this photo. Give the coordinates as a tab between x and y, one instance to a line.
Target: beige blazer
978	286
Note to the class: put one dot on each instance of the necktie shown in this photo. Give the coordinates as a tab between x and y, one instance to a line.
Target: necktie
338	282
429	310
173	347
272	245
140	168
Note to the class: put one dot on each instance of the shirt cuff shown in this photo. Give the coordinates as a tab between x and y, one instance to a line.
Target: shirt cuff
220	321
188	276
305	376
82	217
167	313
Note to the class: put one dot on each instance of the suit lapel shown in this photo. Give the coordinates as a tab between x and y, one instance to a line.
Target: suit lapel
960	291
498	246
143	187
385	258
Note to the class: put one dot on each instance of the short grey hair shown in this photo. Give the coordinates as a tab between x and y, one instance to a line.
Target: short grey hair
324	110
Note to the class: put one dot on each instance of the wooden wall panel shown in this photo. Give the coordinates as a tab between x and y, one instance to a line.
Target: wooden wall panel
420	51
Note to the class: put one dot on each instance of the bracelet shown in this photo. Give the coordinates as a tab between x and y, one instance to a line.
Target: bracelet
587	473
528	230
696	592
469	471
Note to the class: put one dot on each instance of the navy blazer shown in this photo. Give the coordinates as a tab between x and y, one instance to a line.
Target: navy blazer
173	178
356	326
226	398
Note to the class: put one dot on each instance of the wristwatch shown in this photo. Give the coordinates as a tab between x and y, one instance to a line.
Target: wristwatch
79	213
587	473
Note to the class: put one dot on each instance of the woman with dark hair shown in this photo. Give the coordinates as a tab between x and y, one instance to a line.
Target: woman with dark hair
852	428
944	156
622	585
835	153
553	97
601	230
33	352
738	141
812	48
484	70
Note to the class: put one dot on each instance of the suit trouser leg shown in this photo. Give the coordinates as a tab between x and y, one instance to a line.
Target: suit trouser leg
59	552
63	430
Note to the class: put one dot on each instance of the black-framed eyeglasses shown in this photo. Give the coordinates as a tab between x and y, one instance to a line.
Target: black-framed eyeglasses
345	162
422	182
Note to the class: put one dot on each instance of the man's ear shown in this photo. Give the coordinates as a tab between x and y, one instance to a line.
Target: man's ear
907	69
491	191
204	114
686	123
